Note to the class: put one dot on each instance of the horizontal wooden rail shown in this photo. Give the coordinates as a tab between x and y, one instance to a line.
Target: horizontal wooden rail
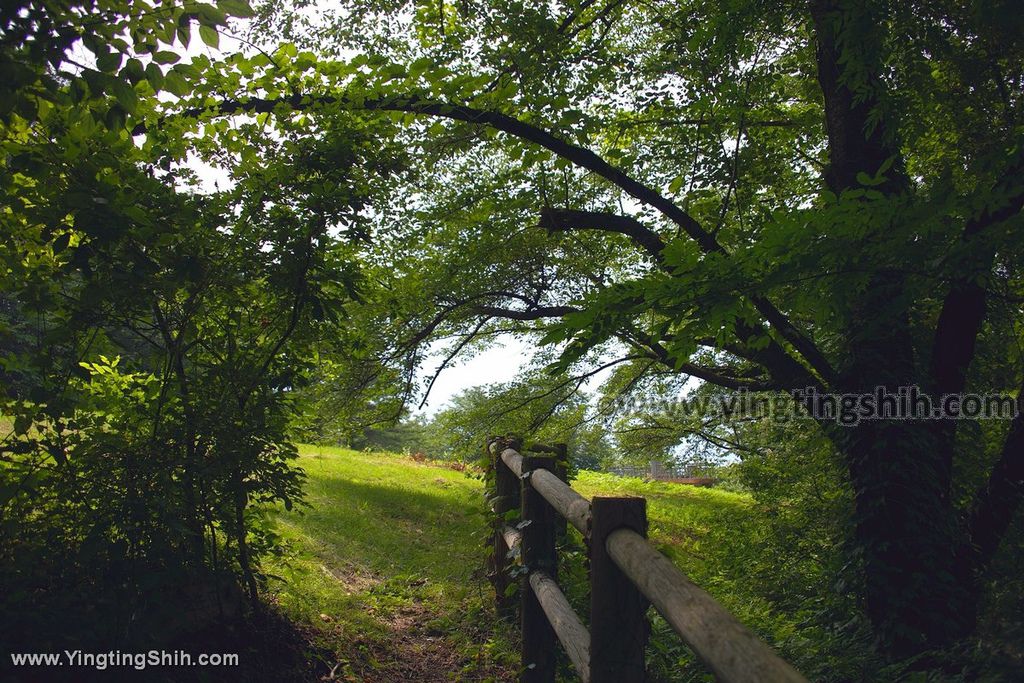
731	650
567	502
570	630
727	647
514	460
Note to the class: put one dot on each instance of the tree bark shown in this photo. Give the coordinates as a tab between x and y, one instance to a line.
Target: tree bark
996	502
905	534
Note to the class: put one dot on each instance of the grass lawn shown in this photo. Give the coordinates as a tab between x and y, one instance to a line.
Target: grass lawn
710	534
386	565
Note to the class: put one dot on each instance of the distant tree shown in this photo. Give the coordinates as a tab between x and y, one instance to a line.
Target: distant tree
561	416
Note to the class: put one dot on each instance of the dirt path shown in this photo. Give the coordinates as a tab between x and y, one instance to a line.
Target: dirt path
412	650
385	569
411	653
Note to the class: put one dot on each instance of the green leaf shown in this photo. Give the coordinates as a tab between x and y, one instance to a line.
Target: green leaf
420	65
7	493
133	71
175	84
126	96
236	8
115	117
209	35
22	423
57	453
108	62
209	15
61	243
155	76
26	108
166	57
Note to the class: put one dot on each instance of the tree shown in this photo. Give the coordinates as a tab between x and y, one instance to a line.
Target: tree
557	414
761	196
157	331
808	201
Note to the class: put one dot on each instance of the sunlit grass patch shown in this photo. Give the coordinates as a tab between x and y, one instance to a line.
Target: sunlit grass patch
387	563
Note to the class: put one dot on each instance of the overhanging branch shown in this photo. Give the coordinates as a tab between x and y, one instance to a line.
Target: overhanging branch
528	314
963	309
562	220
580	156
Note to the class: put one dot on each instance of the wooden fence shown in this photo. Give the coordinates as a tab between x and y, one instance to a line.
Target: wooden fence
694	475
626	576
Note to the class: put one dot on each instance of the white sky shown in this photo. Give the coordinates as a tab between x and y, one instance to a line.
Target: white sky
500	363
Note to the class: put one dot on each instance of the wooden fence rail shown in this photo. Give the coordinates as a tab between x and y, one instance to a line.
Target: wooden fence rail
627	574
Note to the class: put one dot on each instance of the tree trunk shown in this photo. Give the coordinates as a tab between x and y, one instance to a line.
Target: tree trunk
915	594
907	530
906	527
244	561
905	521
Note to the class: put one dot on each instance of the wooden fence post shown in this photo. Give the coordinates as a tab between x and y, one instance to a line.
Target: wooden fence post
618	611
506	498
538	553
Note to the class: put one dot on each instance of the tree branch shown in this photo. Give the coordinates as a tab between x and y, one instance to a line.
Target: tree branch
414	104
450	357
563	220
580	156
723	376
774	356
529	314
998	499
963	310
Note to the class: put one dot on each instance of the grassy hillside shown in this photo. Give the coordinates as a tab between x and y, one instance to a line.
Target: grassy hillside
386	566
718	539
